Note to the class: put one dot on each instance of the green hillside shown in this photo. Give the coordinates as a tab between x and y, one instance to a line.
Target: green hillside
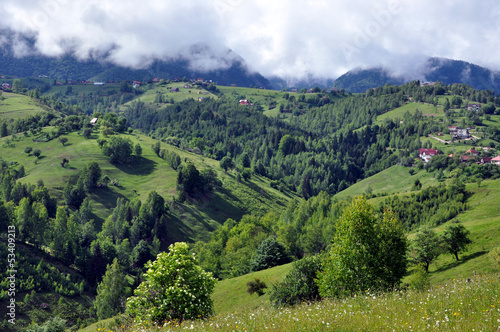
193	221
15	106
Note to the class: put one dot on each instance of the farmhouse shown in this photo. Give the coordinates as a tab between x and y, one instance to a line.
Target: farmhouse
427	154
496	160
472	151
93	121
244	102
6	86
459	133
187	86
473	107
156	79
174	89
136	84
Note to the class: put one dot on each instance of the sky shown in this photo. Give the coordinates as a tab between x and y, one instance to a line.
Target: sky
286	38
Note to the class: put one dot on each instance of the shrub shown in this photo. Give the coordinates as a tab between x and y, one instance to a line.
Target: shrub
174	288
256	286
298	285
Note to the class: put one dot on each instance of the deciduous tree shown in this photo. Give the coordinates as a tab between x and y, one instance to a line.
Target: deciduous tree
174	288
368	252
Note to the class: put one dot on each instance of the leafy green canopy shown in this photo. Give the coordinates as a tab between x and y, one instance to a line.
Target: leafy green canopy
368	253
174	288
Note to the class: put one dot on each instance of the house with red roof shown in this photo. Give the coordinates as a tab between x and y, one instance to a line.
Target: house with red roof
427	154
496	160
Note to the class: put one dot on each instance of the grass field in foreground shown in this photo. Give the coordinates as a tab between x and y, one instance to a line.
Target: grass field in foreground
453	306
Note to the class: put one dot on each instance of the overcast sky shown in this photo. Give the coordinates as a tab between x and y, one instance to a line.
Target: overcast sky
288	38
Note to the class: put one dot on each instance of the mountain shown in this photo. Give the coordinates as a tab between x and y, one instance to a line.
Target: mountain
434	69
21	59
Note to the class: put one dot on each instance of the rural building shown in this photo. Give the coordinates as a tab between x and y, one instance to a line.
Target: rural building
156	79
244	102
427	154
472	151
467	158
459	133
187	86
93	121
98	83
473	107
136	84
496	160
174	89
486	160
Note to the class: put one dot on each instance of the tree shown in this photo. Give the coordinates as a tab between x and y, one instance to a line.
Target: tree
87	133
246	174
37	153
63	140
138	150
270	253
111	292
368	252
118	149
226	163
174	288
456	239
189	179
17	86
91	175
157	148
426	247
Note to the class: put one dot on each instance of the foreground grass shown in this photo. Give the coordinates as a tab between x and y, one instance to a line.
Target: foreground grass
453	306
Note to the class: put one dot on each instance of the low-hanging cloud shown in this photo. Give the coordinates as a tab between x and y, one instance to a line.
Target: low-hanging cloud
283	38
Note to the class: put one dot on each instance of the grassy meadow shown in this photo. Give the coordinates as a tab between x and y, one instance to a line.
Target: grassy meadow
15	106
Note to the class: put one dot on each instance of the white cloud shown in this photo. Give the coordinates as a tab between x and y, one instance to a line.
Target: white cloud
287	38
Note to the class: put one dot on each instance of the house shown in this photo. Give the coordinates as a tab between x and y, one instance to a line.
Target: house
199	80
136	84
486	160
156	80
93	121
459	133
99	83
496	160
472	151
174	89
467	158
427	83
244	102
6	86
452	129
427	154
233	85
187	86
200	98
473	107
295	90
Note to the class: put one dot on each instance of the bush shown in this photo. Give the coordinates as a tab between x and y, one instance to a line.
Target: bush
419	280
256	286
298	285
174	288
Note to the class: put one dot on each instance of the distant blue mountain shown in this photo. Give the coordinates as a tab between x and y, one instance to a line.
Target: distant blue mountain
434	69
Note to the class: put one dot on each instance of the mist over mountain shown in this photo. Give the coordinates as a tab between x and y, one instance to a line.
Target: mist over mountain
20	58
447	71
